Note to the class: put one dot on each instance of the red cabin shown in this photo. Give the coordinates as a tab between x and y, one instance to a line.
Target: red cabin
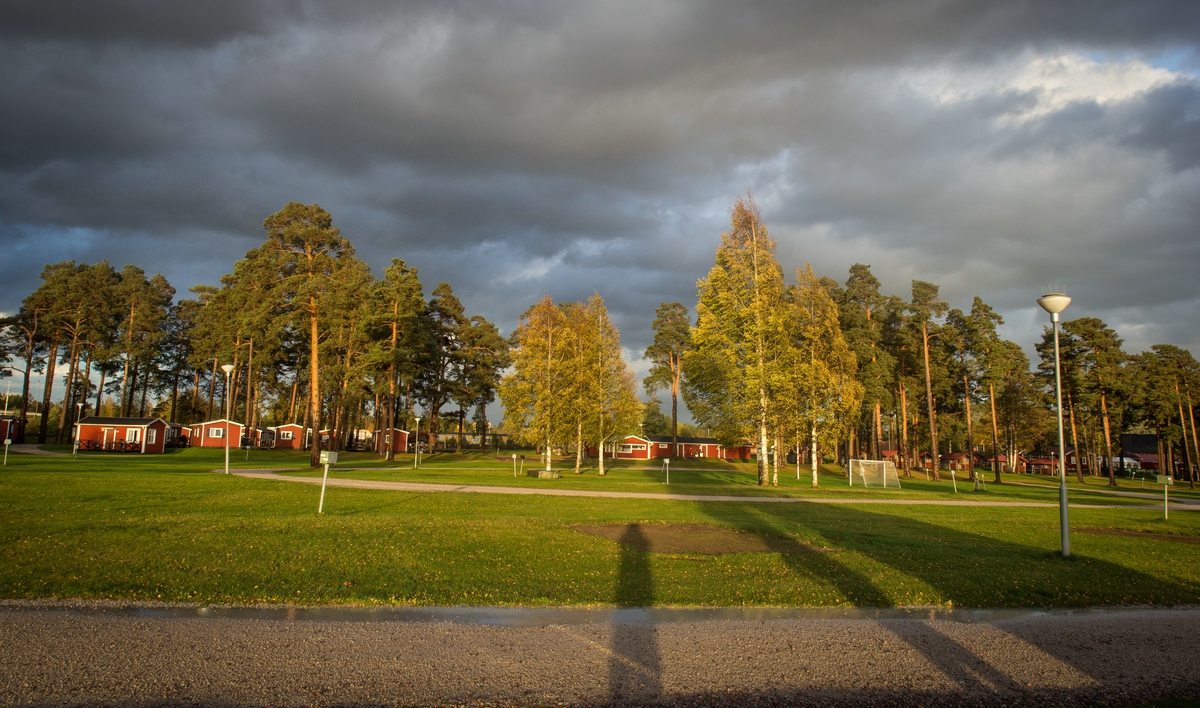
214	433
123	434
381	439
11	429
291	436
649	447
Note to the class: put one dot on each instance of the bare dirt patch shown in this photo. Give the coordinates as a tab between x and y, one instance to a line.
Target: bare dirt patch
1174	538
695	538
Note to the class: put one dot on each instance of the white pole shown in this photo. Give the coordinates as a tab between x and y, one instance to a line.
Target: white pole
667	466
417	444
324	478
514	465
1165	488
954	481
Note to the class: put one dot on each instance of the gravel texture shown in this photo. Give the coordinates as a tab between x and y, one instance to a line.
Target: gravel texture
74	654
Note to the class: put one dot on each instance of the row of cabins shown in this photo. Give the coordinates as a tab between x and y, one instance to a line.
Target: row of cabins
155	435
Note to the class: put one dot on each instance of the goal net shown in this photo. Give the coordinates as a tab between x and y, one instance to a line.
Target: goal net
873	473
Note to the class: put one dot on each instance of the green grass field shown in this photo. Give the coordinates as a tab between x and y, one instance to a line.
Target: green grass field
168	528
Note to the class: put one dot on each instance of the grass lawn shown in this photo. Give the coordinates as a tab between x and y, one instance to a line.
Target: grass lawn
165	527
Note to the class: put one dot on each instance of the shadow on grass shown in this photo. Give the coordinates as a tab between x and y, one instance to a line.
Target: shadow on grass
964	569
635	667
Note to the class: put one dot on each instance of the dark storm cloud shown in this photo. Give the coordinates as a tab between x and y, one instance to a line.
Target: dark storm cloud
534	148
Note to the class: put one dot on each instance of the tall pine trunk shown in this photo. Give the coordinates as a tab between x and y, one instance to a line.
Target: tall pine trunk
51	365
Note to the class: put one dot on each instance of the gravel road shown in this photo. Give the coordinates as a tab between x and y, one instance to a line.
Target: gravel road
74	654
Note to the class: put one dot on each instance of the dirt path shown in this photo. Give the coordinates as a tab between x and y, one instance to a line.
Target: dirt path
64	655
484	489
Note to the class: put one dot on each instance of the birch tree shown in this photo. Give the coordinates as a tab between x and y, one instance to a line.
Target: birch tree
529	392
738	335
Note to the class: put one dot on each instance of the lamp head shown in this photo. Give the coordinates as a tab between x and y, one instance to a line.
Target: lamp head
1054	303
227	368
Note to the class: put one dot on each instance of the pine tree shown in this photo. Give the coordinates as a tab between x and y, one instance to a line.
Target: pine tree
305	249
672	340
924	309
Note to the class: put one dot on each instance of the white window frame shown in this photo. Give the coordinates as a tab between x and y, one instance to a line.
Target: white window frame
216	432
285	435
131	434
151	436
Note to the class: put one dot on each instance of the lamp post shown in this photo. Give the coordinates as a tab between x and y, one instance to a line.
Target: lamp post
417	443
78	415
1054	303
228	369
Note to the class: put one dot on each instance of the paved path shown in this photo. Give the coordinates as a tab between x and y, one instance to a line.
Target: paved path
31	449
1107	491
484	489
60	655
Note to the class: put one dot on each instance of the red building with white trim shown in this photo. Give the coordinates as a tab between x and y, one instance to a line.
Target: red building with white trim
10	429
382	438
213	433
123	434
652	447
291	436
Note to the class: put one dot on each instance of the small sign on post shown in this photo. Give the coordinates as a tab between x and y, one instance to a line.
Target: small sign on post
7	442
328	457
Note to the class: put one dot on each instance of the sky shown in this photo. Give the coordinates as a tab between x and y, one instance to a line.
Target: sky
524	148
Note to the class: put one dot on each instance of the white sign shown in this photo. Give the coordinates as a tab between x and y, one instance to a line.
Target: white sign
328	457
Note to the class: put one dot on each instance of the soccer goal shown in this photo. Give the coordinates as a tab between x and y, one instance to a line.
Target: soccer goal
874	473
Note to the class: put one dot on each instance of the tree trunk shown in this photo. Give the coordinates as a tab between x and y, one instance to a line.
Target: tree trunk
904	431
676	370
314	384
815	461
25	393
51	365
1192	419
995	434
578	444
1112	474
775	462
249	384
212	383
68	406
1074	439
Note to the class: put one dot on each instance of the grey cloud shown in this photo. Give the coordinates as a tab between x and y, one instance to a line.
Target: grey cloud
603	144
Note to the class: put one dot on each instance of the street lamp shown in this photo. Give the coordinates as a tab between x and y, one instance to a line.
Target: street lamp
228	369
78	415
417	443
1054	303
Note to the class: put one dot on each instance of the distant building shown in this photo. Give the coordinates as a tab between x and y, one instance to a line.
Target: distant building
291	436
382	439
141	435
11	429
651	447
214	433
